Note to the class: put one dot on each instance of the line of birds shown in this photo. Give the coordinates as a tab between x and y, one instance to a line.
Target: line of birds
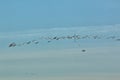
74	37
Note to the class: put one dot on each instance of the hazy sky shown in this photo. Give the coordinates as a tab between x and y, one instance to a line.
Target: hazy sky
63	59
26	20
27	14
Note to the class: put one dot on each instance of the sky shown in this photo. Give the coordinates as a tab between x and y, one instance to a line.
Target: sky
26	20
29	14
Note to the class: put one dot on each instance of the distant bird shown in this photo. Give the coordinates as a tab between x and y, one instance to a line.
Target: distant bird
83	50
36	42
28	42
95	37
12	44
49	41
57	38
117	39
54	37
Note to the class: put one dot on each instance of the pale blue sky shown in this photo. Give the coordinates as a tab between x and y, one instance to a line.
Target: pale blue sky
27	14
26	20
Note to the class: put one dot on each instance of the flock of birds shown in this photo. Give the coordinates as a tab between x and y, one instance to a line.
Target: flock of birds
69	37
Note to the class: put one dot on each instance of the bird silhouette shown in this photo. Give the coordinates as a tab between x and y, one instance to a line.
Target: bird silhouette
69	37
12	44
